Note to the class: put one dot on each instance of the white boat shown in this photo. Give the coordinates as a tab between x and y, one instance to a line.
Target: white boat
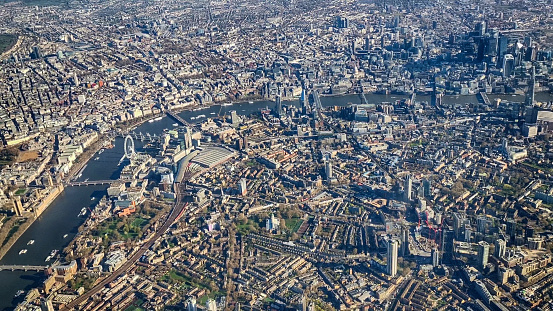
92	199
64	236
23	251
83	212
54	252
48	258
175	124
250	102
97	158
151	121
212	113
101	150
158	118
200	116
226	104
31	242
19	293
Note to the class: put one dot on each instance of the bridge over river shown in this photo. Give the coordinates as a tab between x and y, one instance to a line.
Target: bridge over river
22	268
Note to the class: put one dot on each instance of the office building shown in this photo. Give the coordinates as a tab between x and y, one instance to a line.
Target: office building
427	187
481	225
391	266
500	248
435	257
483	253
408	188
458	220
278	106
328	170
508	65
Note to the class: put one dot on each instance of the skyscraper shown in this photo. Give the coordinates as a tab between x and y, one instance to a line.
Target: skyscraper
511	230
278	106
483	253
500	248
435	257
408	188
391	266
458	220
427	186
328	170
481	224
404	249
303	101
508	65
529	101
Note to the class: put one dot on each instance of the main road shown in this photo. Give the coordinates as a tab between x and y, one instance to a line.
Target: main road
175	214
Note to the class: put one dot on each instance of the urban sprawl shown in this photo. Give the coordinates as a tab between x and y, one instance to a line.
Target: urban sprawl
423	202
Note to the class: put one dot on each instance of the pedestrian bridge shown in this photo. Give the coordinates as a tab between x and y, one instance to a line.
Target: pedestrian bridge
22	268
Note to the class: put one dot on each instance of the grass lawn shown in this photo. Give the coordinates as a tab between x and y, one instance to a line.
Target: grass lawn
293	224
20	191
212	295
6	42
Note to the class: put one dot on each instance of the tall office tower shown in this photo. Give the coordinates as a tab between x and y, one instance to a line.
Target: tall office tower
404	249
448	244
483	253
191	304
435	257
427	187
211	305
480	28
408	188
481	224
278	106
328	170
367	44
303	102
508	65
529	101
511	230
243	186
500	248
503	45
458	220
391	266
467	232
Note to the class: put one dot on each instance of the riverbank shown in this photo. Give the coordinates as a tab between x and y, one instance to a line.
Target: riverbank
38	210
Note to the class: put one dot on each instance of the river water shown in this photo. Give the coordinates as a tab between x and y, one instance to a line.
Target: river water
61	217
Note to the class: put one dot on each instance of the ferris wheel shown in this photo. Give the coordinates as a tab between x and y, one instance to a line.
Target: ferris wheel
129	147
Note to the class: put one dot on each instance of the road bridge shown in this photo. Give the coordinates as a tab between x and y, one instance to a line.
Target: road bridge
91	183
22	268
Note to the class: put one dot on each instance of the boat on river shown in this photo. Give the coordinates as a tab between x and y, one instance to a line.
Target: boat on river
23	251
31	242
